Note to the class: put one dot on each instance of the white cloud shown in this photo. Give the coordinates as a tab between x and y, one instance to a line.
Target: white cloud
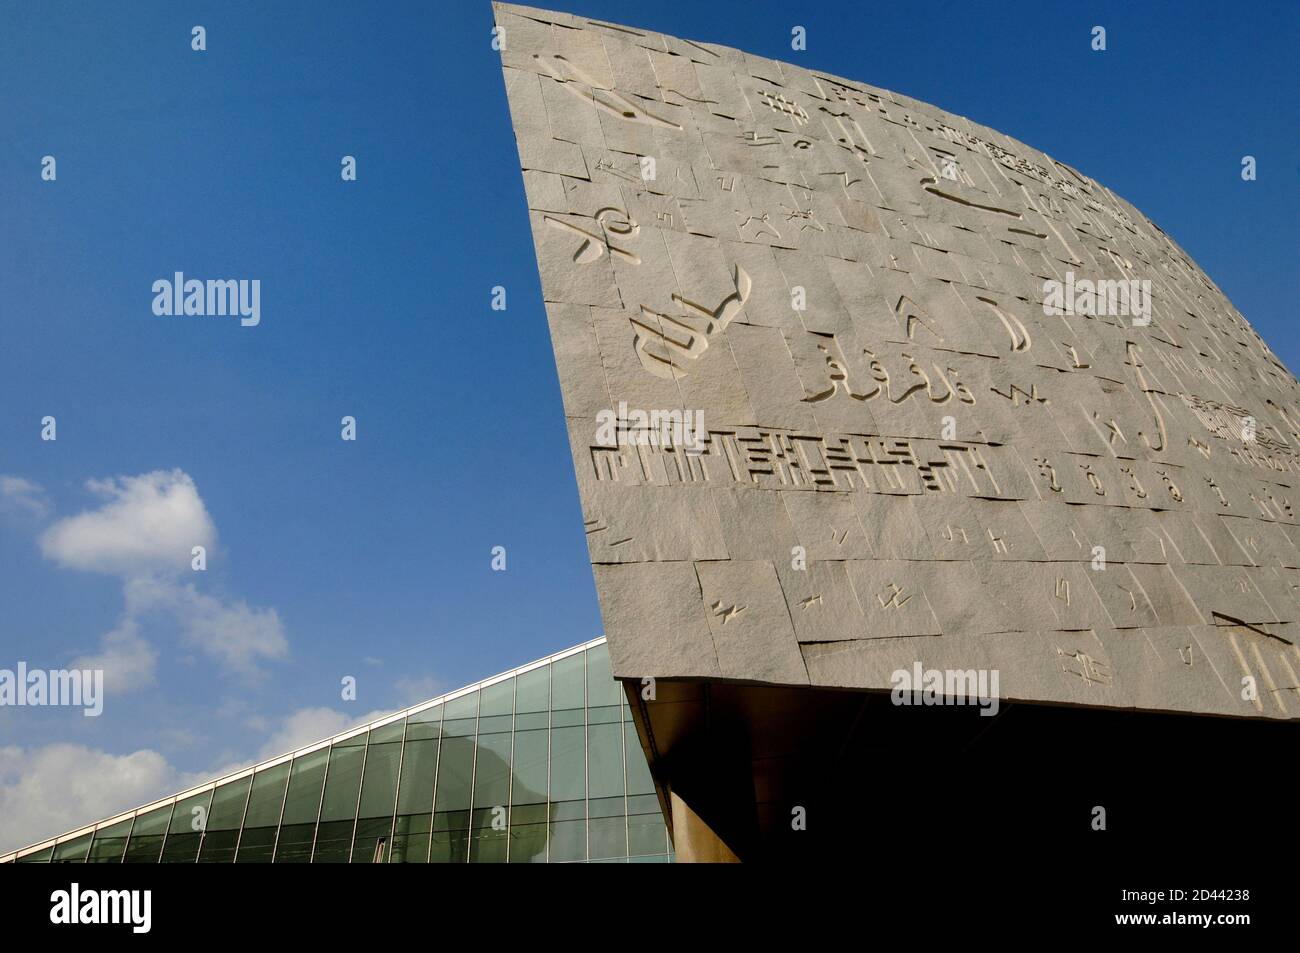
23	497
144	533
308	725
126	658
46	791
412	690
148	523
233	633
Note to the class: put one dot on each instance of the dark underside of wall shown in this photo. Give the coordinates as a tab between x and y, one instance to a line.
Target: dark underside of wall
781	774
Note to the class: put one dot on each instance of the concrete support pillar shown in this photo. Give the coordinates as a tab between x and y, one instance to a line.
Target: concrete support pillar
694	840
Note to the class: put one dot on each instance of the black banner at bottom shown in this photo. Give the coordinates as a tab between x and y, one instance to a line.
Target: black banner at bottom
938	894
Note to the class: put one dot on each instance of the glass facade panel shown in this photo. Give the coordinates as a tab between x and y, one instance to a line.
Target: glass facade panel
189	817
608	837
265	801
605	760
73	851
449	842
379	784
419	768
339	807
227	814
533	690
541	766
646	834
451	800
498	699
638	772
602	689
110	843
568	683
568	763
489	839
528	830
455	774
492	770
530	768
393	731
378	801
460	717
424	724
414	821
568	831
147	836
301	807
411	838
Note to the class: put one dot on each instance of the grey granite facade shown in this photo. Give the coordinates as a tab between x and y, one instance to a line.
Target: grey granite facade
852	383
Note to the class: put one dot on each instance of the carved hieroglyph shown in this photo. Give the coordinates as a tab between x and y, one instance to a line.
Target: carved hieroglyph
914	447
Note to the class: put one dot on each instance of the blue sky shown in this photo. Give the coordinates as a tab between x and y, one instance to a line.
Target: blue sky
372	558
